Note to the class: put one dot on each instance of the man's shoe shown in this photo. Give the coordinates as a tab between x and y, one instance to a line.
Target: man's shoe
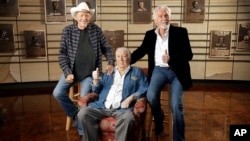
159	129
74	118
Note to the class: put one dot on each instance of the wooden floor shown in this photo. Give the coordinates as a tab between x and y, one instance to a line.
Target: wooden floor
34	115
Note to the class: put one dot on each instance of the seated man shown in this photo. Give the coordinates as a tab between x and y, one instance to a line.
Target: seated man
117	95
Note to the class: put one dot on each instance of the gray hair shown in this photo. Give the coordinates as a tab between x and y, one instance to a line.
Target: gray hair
165	7
124	49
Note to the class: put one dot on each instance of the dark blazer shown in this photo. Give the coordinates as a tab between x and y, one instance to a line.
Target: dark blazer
179	51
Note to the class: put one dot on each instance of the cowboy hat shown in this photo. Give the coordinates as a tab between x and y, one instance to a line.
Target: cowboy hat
81	7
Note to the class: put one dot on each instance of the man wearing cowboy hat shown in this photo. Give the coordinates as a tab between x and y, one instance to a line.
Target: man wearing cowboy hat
81	49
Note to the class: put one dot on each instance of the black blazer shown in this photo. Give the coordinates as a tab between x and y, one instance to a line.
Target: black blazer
179	51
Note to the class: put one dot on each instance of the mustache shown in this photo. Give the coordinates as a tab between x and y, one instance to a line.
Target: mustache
164	22
163	25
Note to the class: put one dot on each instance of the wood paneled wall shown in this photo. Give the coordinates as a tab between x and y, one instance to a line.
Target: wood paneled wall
115	15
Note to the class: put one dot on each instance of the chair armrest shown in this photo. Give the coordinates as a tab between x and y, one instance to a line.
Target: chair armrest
140	106
84	100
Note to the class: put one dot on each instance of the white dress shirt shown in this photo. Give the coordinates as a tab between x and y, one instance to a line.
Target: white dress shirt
114	97
161	47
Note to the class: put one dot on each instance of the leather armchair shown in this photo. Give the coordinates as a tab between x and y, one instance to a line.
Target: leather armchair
107	125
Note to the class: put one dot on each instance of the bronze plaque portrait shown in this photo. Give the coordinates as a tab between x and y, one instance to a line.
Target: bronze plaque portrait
115	38
35	44
141	11
194	11
243	39
92	5
55	11
6	38
9	8
220	44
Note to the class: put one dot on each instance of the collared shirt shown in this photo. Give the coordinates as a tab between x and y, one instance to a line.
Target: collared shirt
135	83
115	93
69	44
161	47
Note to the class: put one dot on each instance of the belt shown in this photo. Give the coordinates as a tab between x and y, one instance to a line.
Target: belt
168	68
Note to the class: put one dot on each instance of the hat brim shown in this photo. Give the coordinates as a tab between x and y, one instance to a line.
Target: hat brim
74	10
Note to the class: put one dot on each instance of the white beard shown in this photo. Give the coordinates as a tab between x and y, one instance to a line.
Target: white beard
164	25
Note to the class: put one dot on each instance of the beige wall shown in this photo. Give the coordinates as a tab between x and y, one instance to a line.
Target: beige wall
115	15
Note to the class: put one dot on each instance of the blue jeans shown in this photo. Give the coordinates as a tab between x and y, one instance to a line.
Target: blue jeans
160	77
61	95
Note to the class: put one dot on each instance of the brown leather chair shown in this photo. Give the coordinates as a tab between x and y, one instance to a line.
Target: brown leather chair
107	125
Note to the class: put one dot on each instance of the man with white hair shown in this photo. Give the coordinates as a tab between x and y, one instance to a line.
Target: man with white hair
169	52
81	49
117	94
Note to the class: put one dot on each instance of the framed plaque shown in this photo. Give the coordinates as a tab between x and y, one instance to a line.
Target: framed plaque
6	38
35	43
55	11
194	11
9	8
115	38
243	39
220	44
141	11
92	5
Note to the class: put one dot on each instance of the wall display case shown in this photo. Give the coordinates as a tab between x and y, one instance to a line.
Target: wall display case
6	38
35	44
243	39
141	11
220	43
194	11
55	11
210	62
9	8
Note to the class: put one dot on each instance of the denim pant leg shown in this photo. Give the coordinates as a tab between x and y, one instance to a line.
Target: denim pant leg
86	87
61	95
157	82
176	95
